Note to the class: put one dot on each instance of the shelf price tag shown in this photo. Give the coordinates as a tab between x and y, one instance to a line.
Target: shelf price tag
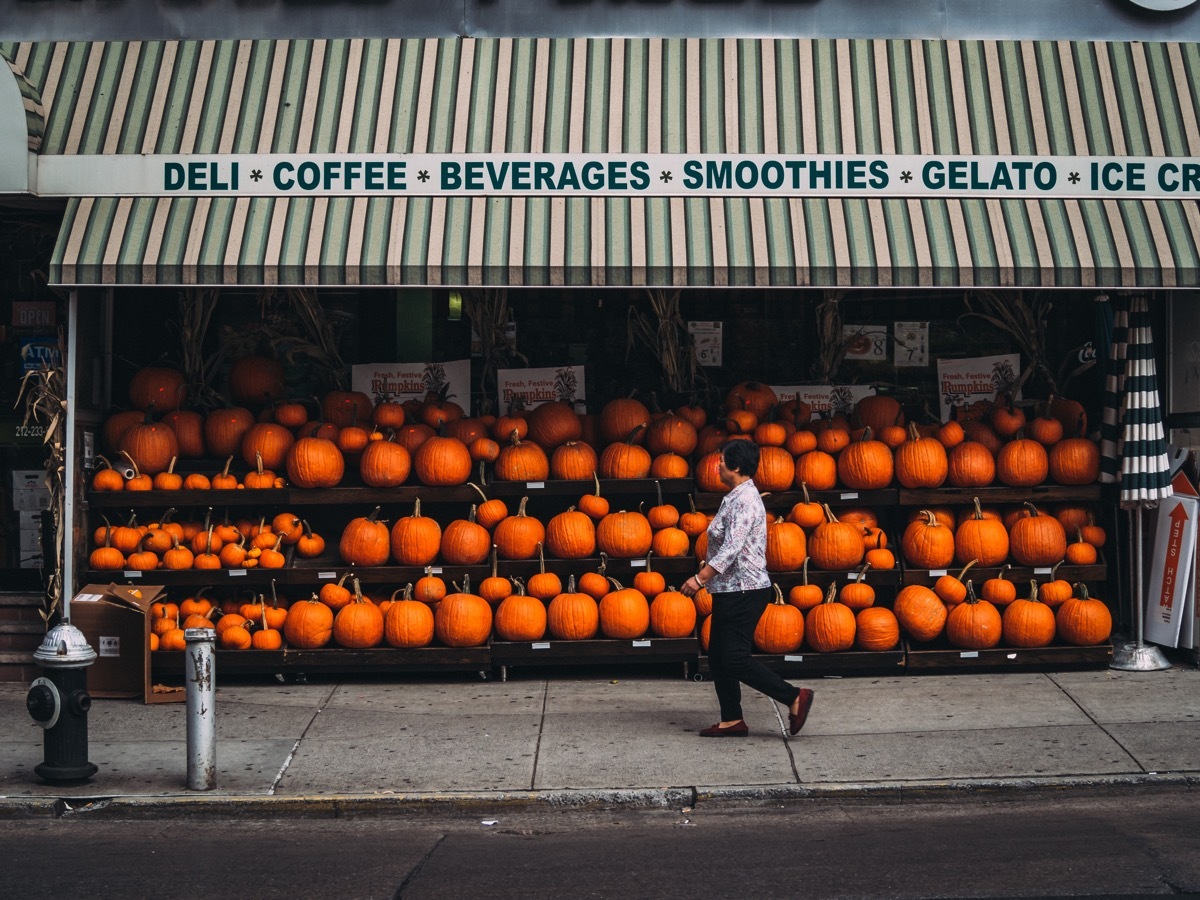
326	576
791	657
535	485
969	654
236	573
1012	656
540	645
938	572
435	570
1041	570
641	643
637	563
133	573
849	495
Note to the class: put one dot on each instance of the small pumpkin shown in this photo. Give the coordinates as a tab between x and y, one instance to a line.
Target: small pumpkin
1029	623
920	612
1083	620
973	624
365	541
463	619
624	612
359	624
573	615
521	617
309	624
416	539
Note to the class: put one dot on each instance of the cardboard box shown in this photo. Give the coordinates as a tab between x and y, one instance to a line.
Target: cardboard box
28	480
31	501
115	619
1172	566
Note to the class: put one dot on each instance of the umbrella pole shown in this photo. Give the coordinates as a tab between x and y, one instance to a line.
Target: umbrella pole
1138	656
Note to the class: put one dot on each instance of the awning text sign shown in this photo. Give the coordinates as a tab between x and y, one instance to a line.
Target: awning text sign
617	175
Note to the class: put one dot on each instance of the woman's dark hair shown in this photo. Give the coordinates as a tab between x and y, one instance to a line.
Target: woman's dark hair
740	456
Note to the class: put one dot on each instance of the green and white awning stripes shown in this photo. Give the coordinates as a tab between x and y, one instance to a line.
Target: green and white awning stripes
622	95
616	242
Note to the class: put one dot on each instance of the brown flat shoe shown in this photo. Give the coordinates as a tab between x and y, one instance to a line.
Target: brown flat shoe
737	729
796	719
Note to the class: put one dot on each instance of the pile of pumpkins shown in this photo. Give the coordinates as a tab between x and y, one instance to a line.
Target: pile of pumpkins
429	611
310	445
205	545
845	618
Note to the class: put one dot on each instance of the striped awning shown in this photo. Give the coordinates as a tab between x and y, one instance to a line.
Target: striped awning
623	96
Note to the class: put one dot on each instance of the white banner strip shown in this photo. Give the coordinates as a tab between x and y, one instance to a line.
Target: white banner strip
617	175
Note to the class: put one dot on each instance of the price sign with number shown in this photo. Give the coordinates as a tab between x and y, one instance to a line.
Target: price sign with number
707	338
866	343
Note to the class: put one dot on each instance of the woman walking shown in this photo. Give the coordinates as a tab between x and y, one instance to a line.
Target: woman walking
736	576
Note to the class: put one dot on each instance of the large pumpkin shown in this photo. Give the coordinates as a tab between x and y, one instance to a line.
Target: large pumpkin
971	464
1022	463
225	428
442	462
835	545
624	612
672	615
877	412
521	461
624	535
921	462
384	463
151	446
416	539
866	464
552	424
571	535
776	469
158	388
1037	539
520	617
920	612
1083	620
973	624
671	434
780	628
346	408
408	623
619	418
269	439
1075	460
625	459
465	542
786	546
816	470
365	541
572	615
359	624
1028	623
256	380
314	462
831	625
928	543
188	426
309	624
981	538
876	629
463	619
518	536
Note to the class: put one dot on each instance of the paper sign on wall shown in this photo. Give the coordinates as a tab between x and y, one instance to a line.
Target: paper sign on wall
865	343
911	340
824	398
707	339
407	381
536	386
971	384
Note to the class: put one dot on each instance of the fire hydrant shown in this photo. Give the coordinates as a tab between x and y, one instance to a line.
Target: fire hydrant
59	702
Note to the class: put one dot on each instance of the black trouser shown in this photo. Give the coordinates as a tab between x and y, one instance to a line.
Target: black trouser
730	645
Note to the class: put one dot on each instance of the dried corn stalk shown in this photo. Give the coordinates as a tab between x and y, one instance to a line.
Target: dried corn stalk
488	312
43	393
665	335
1026	323
196	307
296	324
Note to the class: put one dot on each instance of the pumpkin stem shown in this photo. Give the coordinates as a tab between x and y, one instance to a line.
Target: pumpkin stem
478	489
804	571
650	553
596	479
541	559
803	490
571	583
133	464
603	563
831	594
658	490
1081	590
228	463
257	461
358	597
1033	590
829	516
629	439
778	601
862	572
493	560
1054	569
971	598
521	508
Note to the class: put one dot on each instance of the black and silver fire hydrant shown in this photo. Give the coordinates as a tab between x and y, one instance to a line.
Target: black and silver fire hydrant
59	702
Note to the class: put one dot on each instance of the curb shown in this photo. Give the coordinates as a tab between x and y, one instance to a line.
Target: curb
477	802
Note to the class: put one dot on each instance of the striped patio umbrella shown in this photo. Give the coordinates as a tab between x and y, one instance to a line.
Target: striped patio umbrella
1133	444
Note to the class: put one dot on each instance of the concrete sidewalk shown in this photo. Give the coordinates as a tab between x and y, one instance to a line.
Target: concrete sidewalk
361	746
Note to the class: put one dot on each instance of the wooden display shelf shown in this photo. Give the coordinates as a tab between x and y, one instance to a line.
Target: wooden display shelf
354	493
1019	575
785	500
940	656
335	659
874	577
601	650
190	577
810	662
1039	493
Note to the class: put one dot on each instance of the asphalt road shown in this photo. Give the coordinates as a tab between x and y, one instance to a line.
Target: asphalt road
1132	845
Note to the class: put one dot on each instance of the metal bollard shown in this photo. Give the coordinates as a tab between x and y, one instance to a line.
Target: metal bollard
200	675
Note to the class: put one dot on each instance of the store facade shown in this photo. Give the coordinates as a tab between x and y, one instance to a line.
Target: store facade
911	169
